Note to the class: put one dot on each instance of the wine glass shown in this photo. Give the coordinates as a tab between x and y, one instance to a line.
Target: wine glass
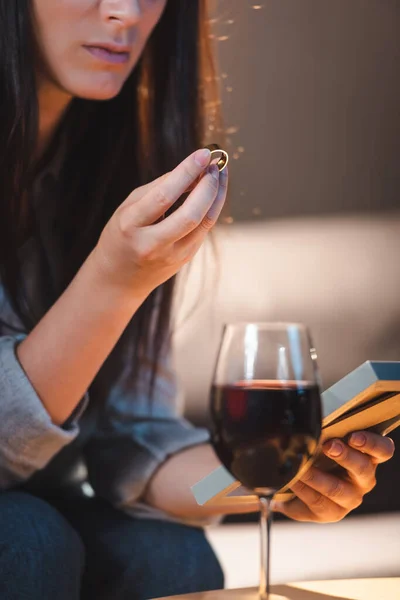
266	413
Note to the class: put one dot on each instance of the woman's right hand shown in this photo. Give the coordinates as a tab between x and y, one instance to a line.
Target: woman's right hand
136	251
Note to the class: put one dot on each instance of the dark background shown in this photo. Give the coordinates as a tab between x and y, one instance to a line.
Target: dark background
313	87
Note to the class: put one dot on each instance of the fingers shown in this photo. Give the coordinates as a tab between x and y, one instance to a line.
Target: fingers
197	236
341	492
322	496
360	467
294	509
378	447
193	212
138	193
160	197
323	508
217	206
309	505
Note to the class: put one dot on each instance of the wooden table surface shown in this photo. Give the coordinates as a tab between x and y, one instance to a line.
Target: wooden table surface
343	589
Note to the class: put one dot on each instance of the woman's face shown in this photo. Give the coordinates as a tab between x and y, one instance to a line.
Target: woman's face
89	47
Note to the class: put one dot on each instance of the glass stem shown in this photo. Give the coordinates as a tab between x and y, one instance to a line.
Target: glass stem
265	537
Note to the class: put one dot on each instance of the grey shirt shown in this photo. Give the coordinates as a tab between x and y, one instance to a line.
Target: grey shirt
117	447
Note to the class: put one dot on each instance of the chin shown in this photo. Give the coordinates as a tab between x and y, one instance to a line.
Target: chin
98	93
104	88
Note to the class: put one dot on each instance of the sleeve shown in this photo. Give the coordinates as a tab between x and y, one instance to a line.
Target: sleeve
135	436
28	437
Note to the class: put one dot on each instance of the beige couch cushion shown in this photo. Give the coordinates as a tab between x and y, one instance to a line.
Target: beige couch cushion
341	276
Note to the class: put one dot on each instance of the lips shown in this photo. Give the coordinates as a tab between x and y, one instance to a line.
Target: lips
109	54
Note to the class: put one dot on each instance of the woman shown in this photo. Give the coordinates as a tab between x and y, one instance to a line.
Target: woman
100	101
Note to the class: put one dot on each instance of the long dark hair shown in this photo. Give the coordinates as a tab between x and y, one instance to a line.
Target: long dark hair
161	115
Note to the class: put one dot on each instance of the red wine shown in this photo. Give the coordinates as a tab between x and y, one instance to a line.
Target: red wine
264	431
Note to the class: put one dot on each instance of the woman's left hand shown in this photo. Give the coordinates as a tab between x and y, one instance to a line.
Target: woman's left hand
324	497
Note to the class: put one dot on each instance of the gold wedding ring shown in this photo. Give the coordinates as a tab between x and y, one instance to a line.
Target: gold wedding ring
217	154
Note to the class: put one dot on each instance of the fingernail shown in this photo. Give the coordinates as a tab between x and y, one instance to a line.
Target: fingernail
333	448
358	439
202	157
214	171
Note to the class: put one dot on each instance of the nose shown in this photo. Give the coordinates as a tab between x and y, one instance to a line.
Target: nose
124	13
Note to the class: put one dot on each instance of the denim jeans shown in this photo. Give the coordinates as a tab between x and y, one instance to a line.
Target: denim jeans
78	548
